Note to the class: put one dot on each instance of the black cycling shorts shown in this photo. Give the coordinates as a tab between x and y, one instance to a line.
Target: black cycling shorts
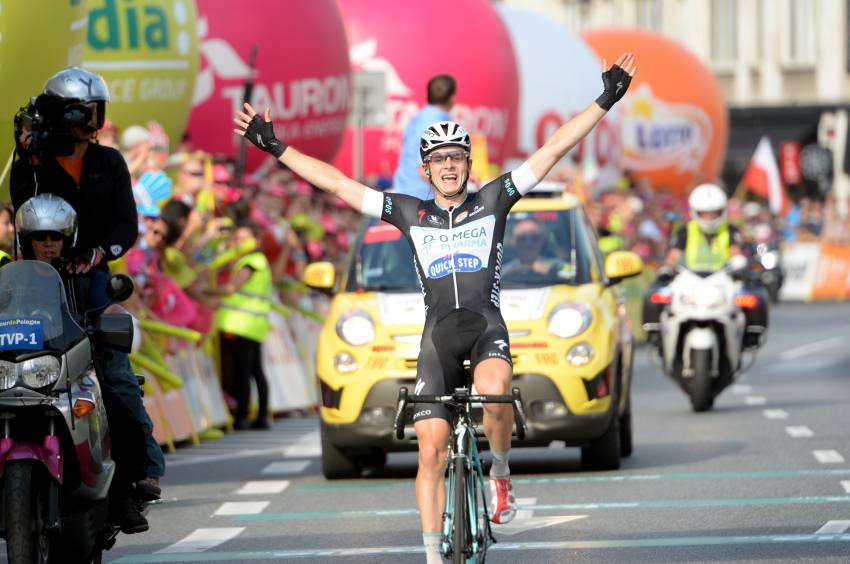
460	335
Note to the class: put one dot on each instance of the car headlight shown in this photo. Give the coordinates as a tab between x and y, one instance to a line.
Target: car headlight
40	371
345	363
769	260
8	375
355	328
569	319
580	354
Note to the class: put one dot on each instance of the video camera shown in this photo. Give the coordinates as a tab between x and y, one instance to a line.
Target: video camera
49	119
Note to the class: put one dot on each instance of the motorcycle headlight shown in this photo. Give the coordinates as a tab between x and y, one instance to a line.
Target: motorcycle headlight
40	371
8	375
569	319
704	296
769	260
356	328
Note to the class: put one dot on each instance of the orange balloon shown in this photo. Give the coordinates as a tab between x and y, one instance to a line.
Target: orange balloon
674	118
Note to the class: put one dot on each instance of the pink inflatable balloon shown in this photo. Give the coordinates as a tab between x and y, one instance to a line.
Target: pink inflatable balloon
302	73
414	40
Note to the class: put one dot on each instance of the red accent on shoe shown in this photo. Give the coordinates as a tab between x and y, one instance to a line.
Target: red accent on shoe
503	503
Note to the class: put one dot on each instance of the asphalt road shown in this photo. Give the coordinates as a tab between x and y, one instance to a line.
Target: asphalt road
764	477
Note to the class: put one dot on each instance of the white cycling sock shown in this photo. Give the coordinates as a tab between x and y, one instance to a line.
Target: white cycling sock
432	548
500	469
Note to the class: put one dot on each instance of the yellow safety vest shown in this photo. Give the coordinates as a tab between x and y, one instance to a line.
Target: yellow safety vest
5	258
246	312
702	256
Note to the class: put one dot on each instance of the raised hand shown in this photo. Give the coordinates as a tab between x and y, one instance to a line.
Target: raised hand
259	130
616	80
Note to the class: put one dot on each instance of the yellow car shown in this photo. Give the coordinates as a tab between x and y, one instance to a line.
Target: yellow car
570	340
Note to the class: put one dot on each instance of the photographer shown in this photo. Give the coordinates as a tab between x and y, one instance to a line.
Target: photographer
56	153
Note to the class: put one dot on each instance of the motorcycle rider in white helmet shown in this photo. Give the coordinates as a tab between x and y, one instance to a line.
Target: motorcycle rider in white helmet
707	241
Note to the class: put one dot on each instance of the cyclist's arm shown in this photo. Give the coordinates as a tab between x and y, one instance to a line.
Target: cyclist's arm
565	138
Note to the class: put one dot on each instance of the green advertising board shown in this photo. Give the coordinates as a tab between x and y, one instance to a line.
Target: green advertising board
147	51
37	39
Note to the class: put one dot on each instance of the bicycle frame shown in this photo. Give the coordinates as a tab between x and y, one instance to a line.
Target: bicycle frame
465	471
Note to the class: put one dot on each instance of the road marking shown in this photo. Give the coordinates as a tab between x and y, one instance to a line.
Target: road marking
846	485
755	400
325	553
233	508
740	389
799	432
199	541
263	487
286	467
526	505
834	528
775	413
307	446
621	478
805	350
828	456
518	526
233	455
646	504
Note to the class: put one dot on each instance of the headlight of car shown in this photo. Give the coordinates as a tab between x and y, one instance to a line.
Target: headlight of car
40	371
355	328
345	363
8	375
570	319
580	354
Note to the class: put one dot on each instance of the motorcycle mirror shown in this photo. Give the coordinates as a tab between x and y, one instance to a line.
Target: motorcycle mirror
119	287
738	263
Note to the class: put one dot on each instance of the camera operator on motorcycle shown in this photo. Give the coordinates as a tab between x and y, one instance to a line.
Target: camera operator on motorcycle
57	153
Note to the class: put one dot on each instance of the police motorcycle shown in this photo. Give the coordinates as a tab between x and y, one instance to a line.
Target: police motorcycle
55	461
768	263
705	328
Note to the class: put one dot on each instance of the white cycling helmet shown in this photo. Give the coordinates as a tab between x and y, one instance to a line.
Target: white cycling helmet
708	198
441	134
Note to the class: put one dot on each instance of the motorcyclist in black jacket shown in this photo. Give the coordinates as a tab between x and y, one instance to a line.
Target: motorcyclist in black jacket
56	154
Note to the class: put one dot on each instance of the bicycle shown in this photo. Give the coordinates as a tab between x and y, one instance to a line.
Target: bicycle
466	524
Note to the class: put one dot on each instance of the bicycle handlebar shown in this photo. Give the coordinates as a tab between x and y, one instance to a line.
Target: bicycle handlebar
514	399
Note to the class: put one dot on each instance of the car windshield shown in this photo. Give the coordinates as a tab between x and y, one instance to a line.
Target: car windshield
541	248
34	312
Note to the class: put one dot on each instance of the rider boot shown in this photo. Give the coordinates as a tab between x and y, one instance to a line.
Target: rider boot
125	513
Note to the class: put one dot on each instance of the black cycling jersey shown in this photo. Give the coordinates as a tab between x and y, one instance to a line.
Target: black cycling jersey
457	253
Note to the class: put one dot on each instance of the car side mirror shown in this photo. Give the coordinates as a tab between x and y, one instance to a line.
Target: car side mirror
620	265
119	287
320	275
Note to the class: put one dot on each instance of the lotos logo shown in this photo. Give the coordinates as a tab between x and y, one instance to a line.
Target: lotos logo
147	51
658	134
458	263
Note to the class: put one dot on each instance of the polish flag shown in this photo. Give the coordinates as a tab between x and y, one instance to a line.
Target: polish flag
762	178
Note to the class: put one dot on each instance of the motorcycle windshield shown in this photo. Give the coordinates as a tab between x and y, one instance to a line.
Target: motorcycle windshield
34	312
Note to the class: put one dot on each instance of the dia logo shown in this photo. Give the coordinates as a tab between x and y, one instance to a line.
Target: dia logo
143	26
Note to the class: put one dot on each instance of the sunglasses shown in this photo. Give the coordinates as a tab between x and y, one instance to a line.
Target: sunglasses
157	232
42	236
194	172
454	156
528	239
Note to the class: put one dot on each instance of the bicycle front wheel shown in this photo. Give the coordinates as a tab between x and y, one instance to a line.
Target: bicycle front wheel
461	515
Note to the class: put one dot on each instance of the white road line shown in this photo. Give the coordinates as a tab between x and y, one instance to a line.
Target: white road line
828	456
306	446
805	350
241	508
755	400
833	528
775	413
286	467
263	487
799	432
202	539
846	485
740	389
527	508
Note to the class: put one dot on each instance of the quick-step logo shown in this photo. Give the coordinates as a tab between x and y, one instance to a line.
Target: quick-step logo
462	249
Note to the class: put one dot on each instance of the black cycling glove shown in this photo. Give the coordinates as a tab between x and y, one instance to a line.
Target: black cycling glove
261	133
616	82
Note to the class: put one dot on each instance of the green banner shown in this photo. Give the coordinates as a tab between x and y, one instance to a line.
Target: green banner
147	51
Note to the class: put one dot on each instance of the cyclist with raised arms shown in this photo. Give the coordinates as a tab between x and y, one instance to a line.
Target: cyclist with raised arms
457	246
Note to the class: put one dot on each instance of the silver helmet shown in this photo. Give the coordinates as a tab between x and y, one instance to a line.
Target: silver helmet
74	85
47	212
441	134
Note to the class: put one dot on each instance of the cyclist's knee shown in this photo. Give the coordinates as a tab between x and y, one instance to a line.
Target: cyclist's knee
433	438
